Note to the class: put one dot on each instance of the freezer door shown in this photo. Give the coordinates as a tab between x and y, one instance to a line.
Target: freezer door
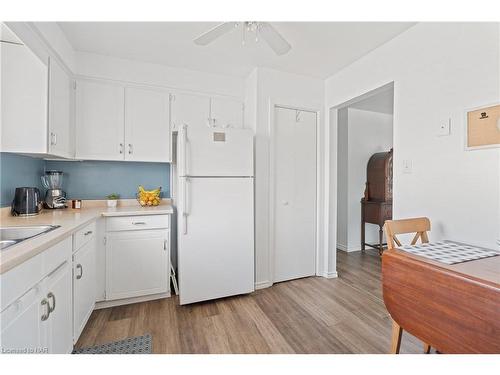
215	238
215	152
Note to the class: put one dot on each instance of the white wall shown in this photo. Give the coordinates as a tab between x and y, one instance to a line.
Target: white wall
439	70
99	66
369	132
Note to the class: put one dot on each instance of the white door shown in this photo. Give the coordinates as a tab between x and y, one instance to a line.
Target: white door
60	143
84	288
24	88
99	121
191	110
226	113
22	323
215	152
137	263
294	194
215	238
147	125
60	321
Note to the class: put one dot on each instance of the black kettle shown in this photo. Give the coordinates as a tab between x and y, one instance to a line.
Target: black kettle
27	202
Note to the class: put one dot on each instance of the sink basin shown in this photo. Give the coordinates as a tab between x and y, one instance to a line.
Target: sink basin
11	235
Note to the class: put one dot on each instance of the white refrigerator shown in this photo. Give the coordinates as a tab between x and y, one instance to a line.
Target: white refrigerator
215	247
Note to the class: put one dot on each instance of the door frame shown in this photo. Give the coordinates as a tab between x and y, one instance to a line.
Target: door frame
272	185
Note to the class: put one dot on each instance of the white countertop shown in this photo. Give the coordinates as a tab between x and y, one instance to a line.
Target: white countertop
70	221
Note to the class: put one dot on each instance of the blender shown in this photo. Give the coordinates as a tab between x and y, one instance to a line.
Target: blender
55	197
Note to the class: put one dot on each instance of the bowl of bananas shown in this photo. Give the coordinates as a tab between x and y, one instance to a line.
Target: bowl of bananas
148	197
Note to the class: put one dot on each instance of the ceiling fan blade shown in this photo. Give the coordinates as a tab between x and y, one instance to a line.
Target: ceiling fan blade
214	33
274	39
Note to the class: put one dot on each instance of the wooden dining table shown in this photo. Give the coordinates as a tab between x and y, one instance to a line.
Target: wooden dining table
454	308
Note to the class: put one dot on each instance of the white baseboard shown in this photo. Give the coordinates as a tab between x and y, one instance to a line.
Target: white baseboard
126	301
329	275
347	249
263	284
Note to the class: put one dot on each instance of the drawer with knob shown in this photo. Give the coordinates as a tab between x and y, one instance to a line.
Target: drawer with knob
114	224
83	236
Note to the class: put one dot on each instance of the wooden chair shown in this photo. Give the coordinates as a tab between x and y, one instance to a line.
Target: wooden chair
420	226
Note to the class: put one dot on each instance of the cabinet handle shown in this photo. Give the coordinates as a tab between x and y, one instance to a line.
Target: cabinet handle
52	139
121	148
79	266
139	223
87	233
53	307
45	316
55	139
130	148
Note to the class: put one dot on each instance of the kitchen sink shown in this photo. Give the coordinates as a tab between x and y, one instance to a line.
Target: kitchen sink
12	235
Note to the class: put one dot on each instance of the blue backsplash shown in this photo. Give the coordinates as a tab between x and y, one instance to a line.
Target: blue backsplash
83	179
17	171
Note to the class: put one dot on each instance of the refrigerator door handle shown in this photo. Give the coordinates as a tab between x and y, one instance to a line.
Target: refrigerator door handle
184	151
185	206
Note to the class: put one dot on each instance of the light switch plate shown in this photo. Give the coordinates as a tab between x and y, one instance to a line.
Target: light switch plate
444	127
407	166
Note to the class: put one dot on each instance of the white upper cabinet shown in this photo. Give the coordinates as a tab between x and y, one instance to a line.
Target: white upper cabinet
190	110
147	125
226	113
24	80
99	121
60	134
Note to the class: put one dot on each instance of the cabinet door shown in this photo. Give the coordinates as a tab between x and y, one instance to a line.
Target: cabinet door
58	294
60	143
99	121
147	125
24	80
21	323
137	263
84	277
192	110
226	113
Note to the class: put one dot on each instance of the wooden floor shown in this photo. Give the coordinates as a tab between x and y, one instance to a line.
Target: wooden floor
310	315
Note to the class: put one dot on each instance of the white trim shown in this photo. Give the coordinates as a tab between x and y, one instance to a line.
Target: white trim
331	222
271	122
126	301
263	284
465	133
330	275
346	248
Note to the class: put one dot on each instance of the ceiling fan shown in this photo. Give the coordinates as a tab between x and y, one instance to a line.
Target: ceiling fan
260	29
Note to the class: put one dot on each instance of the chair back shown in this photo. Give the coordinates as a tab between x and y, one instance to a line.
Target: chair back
420	226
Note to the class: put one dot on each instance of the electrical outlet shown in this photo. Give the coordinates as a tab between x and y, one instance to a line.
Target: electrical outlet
407	166
444	127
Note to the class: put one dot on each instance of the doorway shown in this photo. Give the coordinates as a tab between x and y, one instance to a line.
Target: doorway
364	128
294	191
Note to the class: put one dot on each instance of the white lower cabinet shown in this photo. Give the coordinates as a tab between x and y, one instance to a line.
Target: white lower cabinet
59	322
84	289
137	256
40	319
137	263
22	323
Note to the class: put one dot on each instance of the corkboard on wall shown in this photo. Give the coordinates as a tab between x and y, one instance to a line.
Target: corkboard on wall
483	127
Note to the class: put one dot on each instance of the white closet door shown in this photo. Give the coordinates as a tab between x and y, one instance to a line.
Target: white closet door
294	194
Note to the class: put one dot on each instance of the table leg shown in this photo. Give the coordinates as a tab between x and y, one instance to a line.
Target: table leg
362	229
380	240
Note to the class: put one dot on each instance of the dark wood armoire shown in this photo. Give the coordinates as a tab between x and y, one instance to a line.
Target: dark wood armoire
376	205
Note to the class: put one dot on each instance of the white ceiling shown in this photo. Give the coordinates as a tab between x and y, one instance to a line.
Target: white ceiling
319	49
382	102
